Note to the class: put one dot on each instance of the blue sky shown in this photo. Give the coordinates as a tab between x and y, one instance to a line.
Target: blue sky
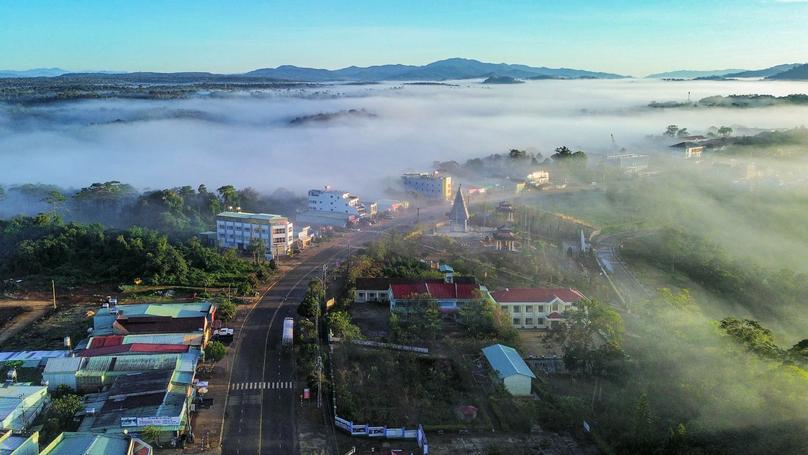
626	37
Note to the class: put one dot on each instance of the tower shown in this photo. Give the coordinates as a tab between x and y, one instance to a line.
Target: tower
459	216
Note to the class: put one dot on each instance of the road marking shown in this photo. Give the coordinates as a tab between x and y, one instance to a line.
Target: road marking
262	385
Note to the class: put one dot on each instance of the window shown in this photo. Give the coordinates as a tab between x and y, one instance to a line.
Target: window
529	321
528	308
517	321
360	295
555	307
540	321
541	308
517	309
371	295
279	231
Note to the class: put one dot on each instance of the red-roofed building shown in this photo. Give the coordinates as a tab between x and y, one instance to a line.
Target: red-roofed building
450	297
536	308
136	348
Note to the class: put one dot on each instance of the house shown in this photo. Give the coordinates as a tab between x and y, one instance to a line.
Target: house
12	444
238	229
91	374
20	403
320	218
329	200
303	236
156	318
96	444
450	297
688	149
504	239
429	185
510	369
160	398
629	163
32	359
459	216
187	339
378	289
391	205
536	308
538	177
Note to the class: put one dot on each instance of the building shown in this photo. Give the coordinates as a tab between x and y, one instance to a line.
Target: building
511	370
11	444
536	308
688	149
450	297
504	239
538	177
32	359
459	216
96	444
378	289
507	210
237	229
429	185
318	219
196	339
20	403
628	162
156	318
391	205
160	398
329	200
303	236
91	374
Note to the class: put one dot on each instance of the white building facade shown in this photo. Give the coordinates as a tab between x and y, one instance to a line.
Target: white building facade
429	185
237	229
536	308
329	200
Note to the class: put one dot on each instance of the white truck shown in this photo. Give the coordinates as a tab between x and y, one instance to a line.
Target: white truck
288	333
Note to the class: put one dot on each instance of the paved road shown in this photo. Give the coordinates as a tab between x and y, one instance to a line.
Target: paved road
263	393
607	251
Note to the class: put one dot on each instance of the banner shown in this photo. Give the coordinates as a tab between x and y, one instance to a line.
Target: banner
394	432
342	423
154	421
376	432
359	430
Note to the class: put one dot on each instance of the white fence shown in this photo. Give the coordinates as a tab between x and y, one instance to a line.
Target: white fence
383	432
399	347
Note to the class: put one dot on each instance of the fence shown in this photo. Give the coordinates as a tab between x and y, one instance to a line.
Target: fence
399	347
383	432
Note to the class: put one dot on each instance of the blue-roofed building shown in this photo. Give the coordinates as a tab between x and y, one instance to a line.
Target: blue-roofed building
96	444
511	369
20	403
11	444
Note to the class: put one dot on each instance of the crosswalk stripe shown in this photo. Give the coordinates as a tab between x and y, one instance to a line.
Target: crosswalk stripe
262	385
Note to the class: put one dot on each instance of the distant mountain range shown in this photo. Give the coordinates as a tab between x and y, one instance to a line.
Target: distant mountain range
690	74
765	72
798	73
36	72
453	68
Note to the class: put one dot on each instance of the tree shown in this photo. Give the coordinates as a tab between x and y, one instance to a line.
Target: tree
752	335
682	133
229	196
799	351
671	131
340	324
517	154
431	323
485	319
215	352
151	434
725	131
582	322
64	408
3	194
643	419
62	390
226	311
258	248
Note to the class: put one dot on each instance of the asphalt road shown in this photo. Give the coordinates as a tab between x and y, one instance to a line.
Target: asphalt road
263	393
607	251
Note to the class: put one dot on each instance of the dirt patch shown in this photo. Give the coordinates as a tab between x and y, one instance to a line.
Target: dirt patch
48	327
533	344
8	313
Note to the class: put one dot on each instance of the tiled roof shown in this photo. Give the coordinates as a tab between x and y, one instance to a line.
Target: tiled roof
555	315
536	295
506	361
403	291
452	290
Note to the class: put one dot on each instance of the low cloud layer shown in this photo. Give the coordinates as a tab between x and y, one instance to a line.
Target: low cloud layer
246	141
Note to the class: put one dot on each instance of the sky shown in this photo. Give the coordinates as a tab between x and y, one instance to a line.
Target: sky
624	37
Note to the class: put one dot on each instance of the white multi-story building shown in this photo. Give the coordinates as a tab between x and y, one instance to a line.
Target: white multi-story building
236	229
430	185
539	177
536	308
329	200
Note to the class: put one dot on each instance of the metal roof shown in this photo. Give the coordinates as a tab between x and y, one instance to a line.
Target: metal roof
63	365
173	310
253	216
536	295
506	361
11	443
87	444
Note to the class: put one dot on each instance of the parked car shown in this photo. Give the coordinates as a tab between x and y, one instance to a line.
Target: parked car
224	332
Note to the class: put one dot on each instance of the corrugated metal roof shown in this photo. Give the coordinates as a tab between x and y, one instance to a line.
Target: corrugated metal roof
192	339
88	444
63	365
174	310
136	348
253	216
404	291
506	361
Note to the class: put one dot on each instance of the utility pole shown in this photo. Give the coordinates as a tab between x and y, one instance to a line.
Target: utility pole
417	217
53	286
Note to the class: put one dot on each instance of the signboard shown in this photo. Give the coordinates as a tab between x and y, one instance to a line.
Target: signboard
306	393
359	429
376	432
165	421
394	433
342	423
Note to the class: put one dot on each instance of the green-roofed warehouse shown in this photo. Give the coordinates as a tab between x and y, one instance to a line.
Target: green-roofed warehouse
96	444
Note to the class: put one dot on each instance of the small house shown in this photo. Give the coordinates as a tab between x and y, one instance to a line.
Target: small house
510	369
